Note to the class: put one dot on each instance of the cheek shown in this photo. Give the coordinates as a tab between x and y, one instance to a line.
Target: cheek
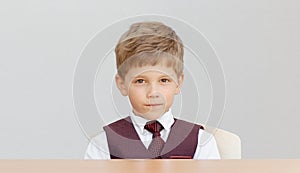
135	93
169	90
135	100
169	97
170	93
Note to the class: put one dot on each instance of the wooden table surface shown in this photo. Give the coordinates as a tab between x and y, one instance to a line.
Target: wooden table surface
147	166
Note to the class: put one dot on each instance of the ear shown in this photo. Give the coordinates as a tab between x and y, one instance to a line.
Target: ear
121	85
180	81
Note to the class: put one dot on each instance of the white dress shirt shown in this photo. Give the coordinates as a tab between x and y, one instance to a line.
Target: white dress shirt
98	147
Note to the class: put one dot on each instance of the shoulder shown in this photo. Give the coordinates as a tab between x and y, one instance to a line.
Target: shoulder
188	124
119	123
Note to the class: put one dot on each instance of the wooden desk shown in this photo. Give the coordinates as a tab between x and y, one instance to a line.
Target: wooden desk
147	166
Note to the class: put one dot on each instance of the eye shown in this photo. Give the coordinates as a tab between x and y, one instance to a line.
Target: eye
139	81
165	80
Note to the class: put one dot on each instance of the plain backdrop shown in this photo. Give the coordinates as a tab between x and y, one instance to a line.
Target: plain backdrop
40	41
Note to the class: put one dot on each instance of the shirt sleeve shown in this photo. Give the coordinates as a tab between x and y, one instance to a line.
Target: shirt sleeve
98	148
207	147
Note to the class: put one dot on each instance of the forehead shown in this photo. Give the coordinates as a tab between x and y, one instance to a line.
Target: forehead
150	71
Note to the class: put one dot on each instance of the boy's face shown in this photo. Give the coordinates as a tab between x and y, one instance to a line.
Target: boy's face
150	89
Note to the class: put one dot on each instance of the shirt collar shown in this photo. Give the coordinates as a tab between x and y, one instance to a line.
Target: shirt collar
166	120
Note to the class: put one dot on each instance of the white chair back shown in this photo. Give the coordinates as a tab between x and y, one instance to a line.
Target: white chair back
229	144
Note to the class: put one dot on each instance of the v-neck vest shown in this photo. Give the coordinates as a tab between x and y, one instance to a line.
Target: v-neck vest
124	142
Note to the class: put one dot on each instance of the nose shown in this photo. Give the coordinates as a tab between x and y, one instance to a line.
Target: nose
153	91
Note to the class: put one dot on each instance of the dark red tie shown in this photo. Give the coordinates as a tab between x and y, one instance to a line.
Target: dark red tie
157	142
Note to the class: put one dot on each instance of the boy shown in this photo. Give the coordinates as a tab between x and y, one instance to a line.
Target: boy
150	72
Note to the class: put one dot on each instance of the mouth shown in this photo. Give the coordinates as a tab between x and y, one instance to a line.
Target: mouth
153	105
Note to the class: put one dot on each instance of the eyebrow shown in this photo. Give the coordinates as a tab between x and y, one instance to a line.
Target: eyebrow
142	76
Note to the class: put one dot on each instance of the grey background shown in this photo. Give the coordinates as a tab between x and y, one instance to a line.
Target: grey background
256	41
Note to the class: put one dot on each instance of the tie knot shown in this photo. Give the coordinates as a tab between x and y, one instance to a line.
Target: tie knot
154	127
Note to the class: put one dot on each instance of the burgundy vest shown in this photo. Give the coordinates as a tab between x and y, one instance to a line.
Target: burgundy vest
124	142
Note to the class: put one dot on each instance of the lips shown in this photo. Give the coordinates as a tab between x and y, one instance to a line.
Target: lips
153	104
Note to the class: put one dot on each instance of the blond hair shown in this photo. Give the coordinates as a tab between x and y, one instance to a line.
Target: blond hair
149	43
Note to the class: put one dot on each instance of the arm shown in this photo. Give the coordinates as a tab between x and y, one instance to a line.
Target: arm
98	148
207	147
